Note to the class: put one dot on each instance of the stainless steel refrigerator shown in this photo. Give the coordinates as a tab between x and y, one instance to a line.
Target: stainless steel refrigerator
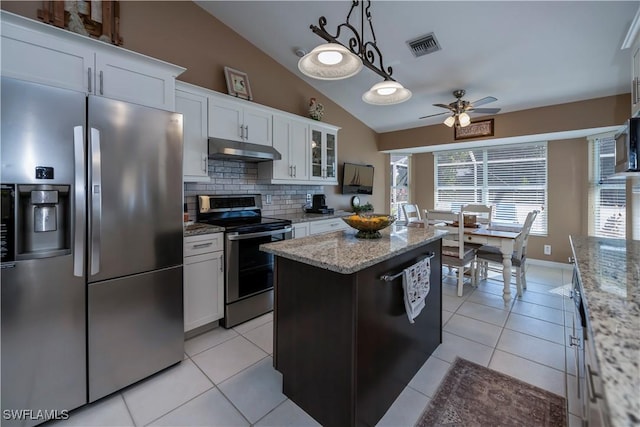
91	272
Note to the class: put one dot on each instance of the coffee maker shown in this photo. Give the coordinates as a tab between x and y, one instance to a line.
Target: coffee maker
319	205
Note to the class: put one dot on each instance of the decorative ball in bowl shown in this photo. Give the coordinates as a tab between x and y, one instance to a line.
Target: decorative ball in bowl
368	224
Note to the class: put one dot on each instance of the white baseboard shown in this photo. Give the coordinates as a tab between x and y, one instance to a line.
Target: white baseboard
551	264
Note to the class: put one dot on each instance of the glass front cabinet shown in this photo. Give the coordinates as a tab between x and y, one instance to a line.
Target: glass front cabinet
324	154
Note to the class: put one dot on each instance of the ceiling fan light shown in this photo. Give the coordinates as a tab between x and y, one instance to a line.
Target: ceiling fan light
330	61
450	121
464	119
388	92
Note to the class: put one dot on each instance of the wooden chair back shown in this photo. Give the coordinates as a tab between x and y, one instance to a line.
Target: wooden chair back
411	212
455	238
483	213
520	245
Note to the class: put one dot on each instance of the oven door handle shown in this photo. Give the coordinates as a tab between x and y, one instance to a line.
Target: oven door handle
236	236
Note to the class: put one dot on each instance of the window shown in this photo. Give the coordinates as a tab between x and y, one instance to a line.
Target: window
607	196
399	184
512	178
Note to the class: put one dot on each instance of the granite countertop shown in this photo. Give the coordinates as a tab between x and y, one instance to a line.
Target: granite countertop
306	217
609	270
342	252
198	228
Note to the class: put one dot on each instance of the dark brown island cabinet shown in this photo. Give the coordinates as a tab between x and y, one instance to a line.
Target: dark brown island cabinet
343	342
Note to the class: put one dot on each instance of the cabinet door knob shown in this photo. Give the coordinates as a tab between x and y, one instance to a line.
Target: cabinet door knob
295	171
101	83
89	76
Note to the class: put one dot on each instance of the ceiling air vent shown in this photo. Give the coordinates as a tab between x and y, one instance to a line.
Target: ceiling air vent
424	45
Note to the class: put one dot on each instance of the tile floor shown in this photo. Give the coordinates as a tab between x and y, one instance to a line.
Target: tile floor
227	377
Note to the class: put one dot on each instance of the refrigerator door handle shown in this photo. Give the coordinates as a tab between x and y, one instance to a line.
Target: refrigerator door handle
96	201
79	202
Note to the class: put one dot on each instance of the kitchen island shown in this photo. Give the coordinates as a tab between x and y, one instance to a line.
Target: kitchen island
608	272
342	339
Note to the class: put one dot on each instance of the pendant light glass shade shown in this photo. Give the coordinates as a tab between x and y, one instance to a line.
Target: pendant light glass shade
464	119
450	121
330	61
386	93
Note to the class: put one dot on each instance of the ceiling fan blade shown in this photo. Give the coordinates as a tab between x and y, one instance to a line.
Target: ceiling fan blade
442	106
485	100
484	110
432	115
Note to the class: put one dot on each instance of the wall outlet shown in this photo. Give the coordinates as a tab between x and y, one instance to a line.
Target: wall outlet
308	197
547	249
267	199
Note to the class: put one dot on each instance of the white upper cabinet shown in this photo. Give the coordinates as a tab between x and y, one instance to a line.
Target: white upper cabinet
635	83
324	154
238	120
42	53
134	80
290	138
191	102
299	149
309	152
632	41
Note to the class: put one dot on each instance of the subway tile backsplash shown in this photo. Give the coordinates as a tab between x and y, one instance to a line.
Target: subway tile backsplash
238	177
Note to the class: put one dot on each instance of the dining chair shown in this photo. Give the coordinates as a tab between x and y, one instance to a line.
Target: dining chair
486	254
455	254
411	212
483	213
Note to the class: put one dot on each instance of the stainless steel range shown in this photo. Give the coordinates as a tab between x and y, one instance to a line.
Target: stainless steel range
248	288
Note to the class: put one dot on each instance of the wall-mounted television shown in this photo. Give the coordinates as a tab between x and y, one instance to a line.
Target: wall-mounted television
357	179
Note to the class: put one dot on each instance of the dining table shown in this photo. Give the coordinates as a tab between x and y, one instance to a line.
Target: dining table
499	235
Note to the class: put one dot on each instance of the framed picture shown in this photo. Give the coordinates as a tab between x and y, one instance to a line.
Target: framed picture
97	18
474	130
238	83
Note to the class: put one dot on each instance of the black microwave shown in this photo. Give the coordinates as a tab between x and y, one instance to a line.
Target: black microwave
628	148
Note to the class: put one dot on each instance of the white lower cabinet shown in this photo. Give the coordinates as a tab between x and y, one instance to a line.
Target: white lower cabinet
203	280
304	229
326	226
300	230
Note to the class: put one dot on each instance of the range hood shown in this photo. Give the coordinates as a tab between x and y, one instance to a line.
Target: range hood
233	150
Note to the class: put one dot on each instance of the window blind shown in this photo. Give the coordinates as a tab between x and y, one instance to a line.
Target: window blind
607	194
512	178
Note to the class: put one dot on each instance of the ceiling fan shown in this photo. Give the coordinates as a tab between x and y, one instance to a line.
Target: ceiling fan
460	108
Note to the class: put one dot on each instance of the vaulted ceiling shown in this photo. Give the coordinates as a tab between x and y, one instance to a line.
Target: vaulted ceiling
525	53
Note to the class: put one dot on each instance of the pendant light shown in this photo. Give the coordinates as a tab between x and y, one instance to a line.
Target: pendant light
330	61
334	60
387	92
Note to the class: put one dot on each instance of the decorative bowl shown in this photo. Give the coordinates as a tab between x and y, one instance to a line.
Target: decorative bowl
368	224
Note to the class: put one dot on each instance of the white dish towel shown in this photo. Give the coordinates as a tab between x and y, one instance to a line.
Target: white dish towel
415	282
